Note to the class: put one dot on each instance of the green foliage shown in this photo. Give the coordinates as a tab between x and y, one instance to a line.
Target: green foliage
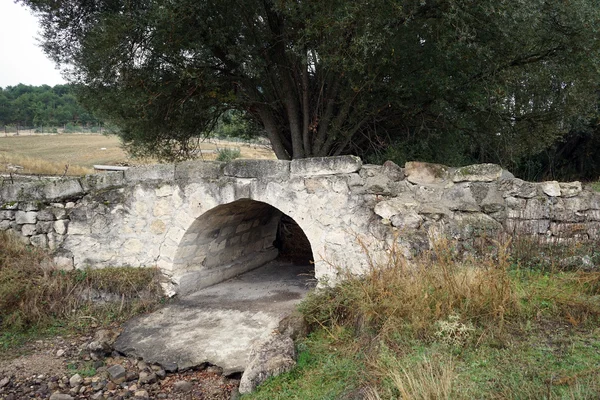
228	154
447	81
43	106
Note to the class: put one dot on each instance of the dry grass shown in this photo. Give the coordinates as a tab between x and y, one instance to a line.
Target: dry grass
33	294
48	154
413	298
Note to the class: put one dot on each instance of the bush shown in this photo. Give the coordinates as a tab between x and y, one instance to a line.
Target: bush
228	154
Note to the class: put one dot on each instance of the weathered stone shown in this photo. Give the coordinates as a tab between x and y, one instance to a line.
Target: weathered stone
28	229
147	378
161	172
276	169
531	227
459	198
63	261
409	220
388	208
517	188
477	173
551	188
570	189
62	189
60	396
39	241
182	386
61	226
5	225
271	358
141	394
117	373
425	173
29	205
193	170
537	208
493	202
5	381
392	171
45	215
26	217
325	165
568	230
75	380
44	226
7	214
59	213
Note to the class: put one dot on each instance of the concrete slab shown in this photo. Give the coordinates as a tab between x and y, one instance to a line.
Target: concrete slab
219	324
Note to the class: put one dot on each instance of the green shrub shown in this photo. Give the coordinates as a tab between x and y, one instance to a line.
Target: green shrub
228	154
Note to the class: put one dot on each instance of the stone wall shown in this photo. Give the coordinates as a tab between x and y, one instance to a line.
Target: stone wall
201	222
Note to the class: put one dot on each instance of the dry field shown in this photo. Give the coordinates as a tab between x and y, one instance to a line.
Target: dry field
49	154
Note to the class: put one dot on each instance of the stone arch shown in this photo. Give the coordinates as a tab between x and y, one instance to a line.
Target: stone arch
231	239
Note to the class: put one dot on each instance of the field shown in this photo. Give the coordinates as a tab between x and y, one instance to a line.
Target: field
49	154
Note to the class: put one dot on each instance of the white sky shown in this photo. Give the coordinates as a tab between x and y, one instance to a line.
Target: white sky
21	58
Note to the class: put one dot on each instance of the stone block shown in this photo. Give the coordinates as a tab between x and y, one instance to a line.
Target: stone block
192	170
29	229
393	171
62	189
570	189
102	181
426	173
160	172
568	230
493	202
325	166
7	215
55	240
59	213
39	241
44	226
29	206
551	188
19	191
26	217
45	215
61	226
459	198
276	169
530	227
477	173
5	225
537	208
517	188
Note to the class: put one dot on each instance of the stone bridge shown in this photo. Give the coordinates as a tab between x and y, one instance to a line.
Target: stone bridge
204	222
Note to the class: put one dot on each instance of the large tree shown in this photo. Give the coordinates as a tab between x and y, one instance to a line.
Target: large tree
489	79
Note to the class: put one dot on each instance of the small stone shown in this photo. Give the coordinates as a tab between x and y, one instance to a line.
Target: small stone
141	394
61	396
161	374
4	382
117	373
146	378
75	380
97	395
551	188
131	376
182	386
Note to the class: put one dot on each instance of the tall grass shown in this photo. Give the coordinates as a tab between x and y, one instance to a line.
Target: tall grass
412	297
33	294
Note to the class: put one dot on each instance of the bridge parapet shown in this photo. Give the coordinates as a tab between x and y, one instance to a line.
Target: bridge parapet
140	216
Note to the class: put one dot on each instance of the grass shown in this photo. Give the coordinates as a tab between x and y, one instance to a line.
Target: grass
36	299
48	154
450	327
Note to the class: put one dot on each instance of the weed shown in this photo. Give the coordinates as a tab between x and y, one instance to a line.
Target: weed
228	154
33	295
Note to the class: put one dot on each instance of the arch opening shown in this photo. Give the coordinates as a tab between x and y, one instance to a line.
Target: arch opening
237	237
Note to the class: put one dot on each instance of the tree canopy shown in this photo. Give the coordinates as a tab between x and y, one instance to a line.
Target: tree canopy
442	80
25	105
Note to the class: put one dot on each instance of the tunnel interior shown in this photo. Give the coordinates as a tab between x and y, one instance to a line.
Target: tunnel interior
237	237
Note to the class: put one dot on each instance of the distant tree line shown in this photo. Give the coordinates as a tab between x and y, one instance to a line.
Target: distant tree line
42	106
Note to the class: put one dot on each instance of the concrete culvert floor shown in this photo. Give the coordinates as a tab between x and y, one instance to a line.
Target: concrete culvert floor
220	323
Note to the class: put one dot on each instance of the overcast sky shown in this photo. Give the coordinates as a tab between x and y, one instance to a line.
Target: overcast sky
21	58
